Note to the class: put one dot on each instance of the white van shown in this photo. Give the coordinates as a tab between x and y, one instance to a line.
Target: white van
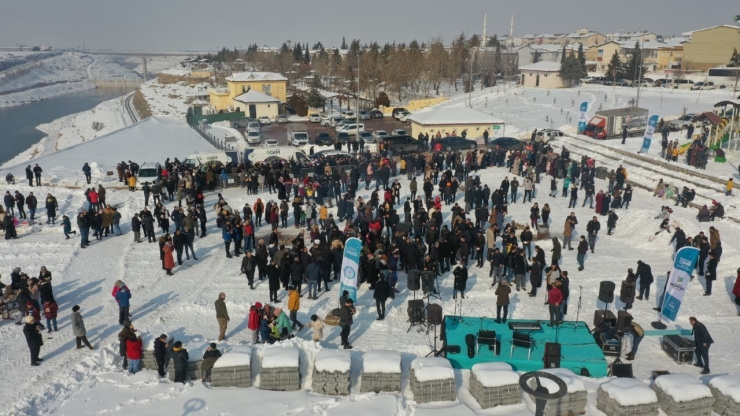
274	153
148	172
683	84
204	158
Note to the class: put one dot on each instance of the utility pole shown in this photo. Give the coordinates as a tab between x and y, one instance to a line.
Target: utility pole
639	76
484	40
357	105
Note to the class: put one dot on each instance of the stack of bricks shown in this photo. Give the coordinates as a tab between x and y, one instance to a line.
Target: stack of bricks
626	396
432	380
233	369
279	369
331	372
574	401
726	392
494	384
381	372
670	390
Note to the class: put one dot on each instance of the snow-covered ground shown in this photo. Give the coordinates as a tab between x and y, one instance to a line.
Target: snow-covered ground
62	74
156	64
168	99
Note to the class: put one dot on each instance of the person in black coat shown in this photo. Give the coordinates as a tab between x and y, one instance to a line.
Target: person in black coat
180	358
296	273
645	275
711	273
679	237
179	240
273	277
381	294
703	341
535	275
461	280
32	331
160	354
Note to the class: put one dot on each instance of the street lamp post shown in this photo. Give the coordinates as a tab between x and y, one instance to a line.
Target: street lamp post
357	104
639	76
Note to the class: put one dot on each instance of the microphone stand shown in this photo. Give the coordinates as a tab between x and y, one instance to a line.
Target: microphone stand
578	311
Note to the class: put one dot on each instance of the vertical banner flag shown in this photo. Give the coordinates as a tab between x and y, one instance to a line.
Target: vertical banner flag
678	281
350	266
649	130
582	117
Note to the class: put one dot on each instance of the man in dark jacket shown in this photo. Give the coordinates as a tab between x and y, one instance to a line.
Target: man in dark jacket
20	200
179	240
381	294
273	277
180	360
160	354
679	237
31	203
592	228
646	279
345	321
582	250
32	331
461	280
703	341
136	228
502	301
535	275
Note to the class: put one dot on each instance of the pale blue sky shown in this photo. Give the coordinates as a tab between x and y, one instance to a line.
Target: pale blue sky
204	25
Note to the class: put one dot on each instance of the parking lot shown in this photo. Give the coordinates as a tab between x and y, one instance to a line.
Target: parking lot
279	132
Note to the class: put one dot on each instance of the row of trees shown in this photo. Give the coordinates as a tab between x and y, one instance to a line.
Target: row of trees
401	70
573	66
630	70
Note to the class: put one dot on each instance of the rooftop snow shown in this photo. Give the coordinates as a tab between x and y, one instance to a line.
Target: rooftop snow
253	96
459	115
255	76
541	66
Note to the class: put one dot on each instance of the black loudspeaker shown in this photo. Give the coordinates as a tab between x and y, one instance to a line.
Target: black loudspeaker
486	337
452	349
622	370
521	339
412	280
627	292
416	310
434	314
427	281
470	342
606	291
552	355
607	317
624	321
403	227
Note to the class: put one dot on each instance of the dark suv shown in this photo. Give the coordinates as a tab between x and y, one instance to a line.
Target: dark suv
507	143
376	114
398	144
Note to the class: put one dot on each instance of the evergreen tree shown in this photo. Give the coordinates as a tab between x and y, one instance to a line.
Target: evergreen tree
536	56
581	55
383	100
579	65
344	44
634	64
734	60
307	57
563	55
297	52
615	68
315	99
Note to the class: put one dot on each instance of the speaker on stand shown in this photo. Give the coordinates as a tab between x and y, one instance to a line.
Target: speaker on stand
434	318
412	281
606	291
415	311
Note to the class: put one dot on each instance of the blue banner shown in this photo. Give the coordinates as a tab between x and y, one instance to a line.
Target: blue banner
582	117
649	130
678	281
350	266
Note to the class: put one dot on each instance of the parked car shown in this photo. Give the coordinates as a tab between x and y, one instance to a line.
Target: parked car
508	143
331	121
456	143
404	116
348	115
396	111
148	172
324	139
352	128
681	122
397	144
264	120
379	135
399	132
343	136
240	123
376	114
282	118
545	135
647	82
366	137
271	143
314	118
253	125
253	137
703	85
327	153
364	115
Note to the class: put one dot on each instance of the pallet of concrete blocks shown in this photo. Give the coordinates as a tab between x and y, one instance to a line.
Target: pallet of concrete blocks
494	384
432	380
234	368
195	359
148	361
574	401
627	396
331	372
726	392
682	394
381	372
280	369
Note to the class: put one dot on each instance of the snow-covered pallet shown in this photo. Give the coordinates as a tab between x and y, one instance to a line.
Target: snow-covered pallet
195	352
626	396
726	392
494	384
574	401
233	369
682	394
432	380
331	372
280	369
381	371
147	360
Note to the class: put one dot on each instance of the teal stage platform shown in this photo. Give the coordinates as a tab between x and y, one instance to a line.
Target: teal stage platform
578	347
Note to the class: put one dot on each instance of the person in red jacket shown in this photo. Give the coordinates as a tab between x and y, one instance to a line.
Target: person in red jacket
50	312
254	322
736	290
133	353
554	298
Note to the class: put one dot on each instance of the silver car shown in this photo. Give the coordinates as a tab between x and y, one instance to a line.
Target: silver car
366	137
379	135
